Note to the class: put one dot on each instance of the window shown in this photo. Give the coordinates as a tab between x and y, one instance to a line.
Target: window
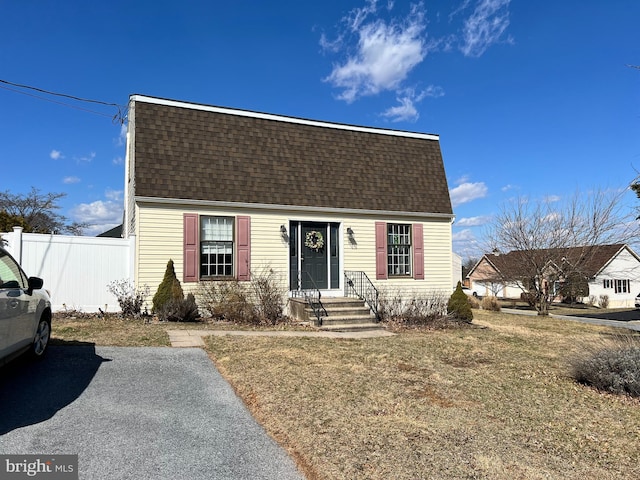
398	249
10	274
607	283
622	286
216	246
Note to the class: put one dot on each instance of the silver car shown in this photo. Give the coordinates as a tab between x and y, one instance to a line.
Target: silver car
25	311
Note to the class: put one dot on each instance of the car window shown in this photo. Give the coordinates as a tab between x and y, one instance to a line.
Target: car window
10	274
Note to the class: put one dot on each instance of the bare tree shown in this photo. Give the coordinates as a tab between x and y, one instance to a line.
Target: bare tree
552	240
36	212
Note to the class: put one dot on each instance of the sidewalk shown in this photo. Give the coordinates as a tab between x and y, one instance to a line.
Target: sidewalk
194	338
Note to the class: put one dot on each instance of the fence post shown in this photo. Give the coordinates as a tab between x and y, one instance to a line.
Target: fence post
14	243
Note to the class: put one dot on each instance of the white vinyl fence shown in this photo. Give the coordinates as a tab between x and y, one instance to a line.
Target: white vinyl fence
76	270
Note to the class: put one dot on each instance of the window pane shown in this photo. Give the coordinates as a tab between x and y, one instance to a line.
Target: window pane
217	228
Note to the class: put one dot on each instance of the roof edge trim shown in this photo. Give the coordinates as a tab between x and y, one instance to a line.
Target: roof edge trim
296	208
281	118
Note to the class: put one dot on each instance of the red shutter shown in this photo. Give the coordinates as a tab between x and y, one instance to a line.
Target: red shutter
190	244
418	252
381	250
244	247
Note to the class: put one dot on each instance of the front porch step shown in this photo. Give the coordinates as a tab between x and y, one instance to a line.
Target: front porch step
343	314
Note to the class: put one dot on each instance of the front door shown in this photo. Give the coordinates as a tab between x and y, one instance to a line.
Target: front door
313	256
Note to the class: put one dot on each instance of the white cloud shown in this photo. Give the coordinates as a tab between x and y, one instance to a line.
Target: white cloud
70	180
86	158
99	215
473	221
385	54
115	195
467	192
508	187
485	26
118	160
551	199
56	154
122	137
407	111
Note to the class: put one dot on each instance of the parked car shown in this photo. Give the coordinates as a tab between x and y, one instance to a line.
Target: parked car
25	311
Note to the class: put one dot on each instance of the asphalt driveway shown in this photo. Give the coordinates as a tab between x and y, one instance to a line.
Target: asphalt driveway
130	413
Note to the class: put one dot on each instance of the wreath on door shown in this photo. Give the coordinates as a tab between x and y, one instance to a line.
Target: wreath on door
314	240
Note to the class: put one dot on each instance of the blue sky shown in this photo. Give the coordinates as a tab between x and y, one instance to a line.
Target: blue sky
529	98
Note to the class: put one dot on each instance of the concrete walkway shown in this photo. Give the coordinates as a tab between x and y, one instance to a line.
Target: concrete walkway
194	338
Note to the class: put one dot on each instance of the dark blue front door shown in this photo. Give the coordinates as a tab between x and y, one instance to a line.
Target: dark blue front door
314	268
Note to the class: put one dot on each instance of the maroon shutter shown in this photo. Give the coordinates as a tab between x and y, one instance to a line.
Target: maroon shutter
381	250
418	252
244	247
190	244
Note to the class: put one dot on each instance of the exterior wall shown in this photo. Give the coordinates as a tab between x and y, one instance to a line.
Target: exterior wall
160	238
625	266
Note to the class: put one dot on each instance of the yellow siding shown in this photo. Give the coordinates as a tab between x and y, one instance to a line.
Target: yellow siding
160	238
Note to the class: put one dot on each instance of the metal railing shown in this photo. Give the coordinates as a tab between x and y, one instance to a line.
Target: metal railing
313	298
357	284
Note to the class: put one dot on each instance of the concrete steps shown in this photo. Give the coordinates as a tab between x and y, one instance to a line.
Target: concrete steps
343	315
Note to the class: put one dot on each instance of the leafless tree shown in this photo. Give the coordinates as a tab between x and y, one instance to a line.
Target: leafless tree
36	212
552	239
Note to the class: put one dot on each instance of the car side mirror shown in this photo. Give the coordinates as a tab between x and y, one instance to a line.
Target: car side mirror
35	283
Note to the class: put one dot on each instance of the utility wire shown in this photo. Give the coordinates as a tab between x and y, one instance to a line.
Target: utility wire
119	117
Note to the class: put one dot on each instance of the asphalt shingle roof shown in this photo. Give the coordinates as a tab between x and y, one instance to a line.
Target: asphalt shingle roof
190	153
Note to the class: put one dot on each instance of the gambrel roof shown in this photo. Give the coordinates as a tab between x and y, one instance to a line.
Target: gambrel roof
203	153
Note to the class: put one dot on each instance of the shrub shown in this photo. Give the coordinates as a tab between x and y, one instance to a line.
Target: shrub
459	306
226	300
604	301
180	310
426	310
129	298
268	296
592	300
473	301
613	368
490	303
169	290
259	301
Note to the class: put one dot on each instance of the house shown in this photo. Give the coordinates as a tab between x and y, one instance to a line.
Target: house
225	192
611	270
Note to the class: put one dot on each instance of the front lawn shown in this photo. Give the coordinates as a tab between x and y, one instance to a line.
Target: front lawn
492	402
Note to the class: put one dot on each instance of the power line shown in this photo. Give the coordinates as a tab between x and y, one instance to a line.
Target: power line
119	117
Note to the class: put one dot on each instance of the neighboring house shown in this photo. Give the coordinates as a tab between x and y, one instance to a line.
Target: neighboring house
611	270
225	193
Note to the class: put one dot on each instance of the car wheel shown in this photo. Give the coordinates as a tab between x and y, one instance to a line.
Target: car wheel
41	340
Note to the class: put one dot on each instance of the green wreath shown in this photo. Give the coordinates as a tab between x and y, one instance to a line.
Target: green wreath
314	240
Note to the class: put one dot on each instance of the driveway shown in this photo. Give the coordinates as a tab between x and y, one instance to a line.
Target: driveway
152	413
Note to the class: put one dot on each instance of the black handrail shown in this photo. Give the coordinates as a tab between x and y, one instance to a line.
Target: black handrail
314	300
357	284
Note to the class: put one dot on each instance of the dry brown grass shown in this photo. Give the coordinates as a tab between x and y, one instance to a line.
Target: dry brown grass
491	403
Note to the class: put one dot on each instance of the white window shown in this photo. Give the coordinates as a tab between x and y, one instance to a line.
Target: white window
398	249
216	246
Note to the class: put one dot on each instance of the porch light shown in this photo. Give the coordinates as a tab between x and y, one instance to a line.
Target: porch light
283	230
349	231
